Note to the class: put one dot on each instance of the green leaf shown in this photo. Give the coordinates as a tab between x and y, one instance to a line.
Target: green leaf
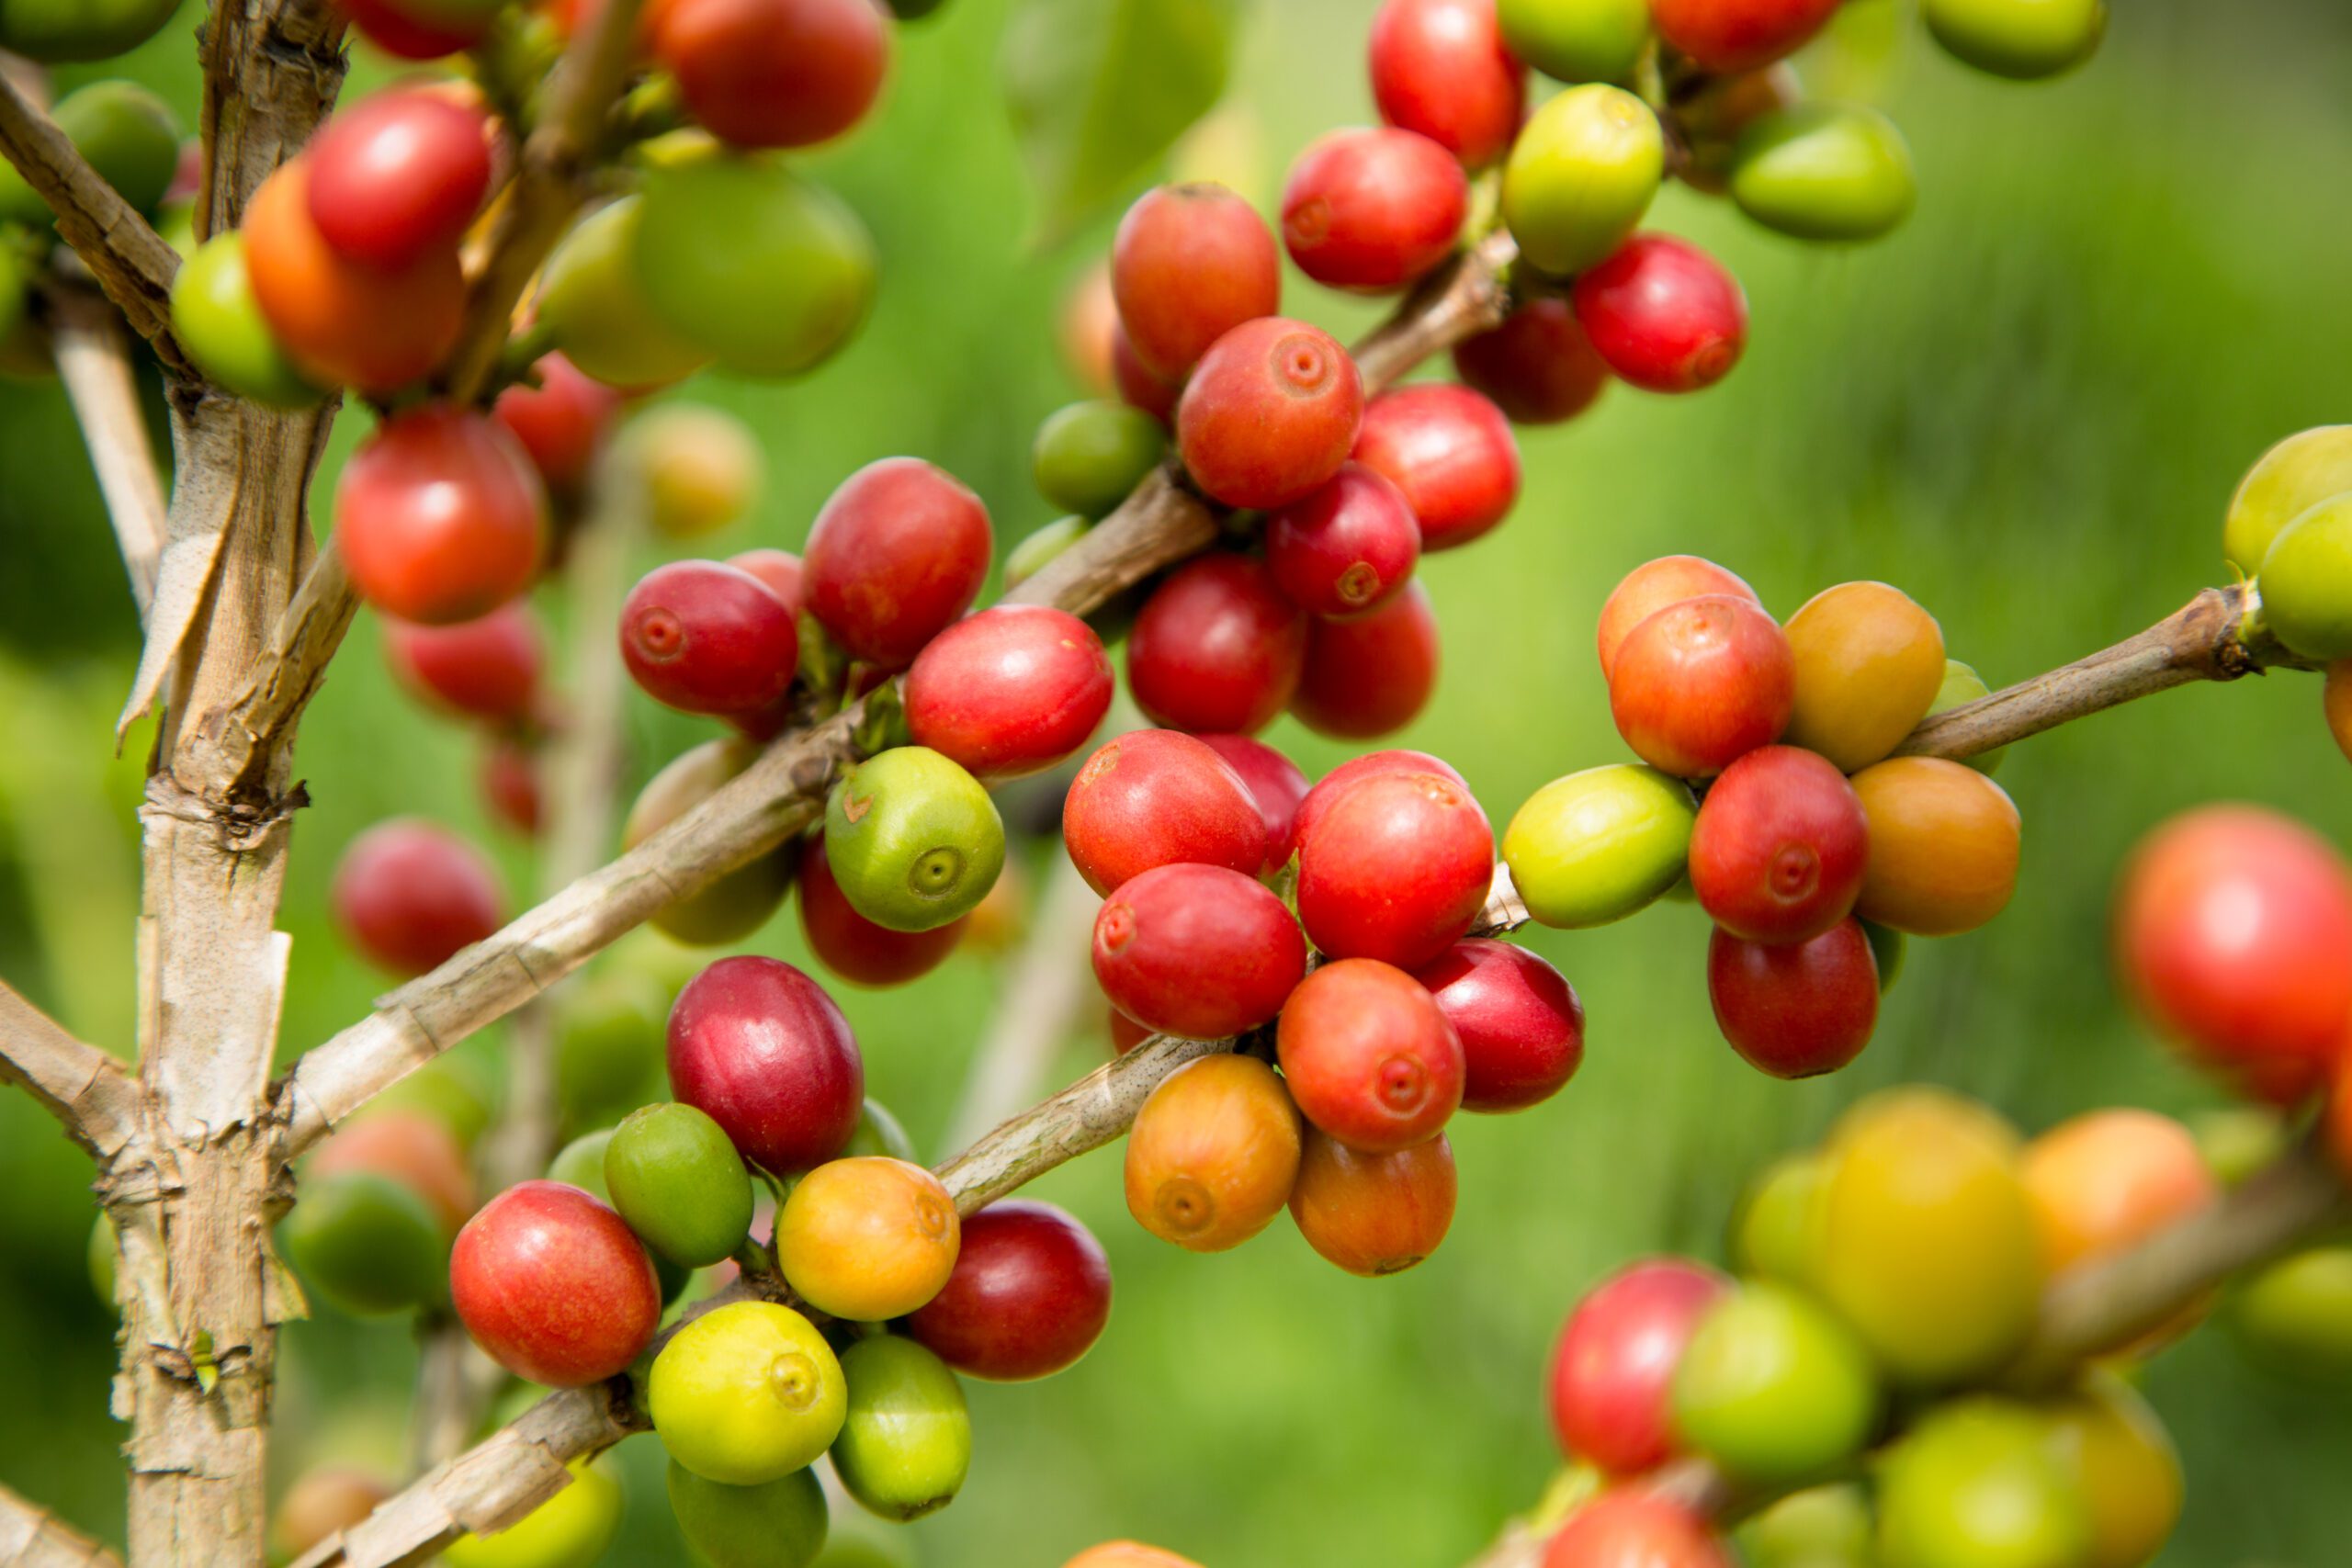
1098	89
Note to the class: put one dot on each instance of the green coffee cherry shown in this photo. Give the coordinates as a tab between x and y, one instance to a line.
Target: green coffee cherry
879	1132
1824	1527
1028	557
580	1163
1577	40
572	1530
780	1525
2306	582
215	316
1774	1388
609	1031
1824	172
1962	686
1580	177
1776	1228
131	137
2294	1317
56	31
1598	845
2020	38
2285	482
860	1542
907	1439
913	839
746	1394
2236	1141
366	1243
1888	949
1976	1483
740	902
679	1183
1087	455
594	304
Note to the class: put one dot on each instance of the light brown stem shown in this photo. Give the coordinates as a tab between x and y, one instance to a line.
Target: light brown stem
80	1085
1044	988
32	1537
93	361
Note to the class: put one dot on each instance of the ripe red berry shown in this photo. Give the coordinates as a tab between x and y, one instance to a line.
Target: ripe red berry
1439	67
855	948
1663	314
410	896
1371	765
894	557
1345	548
440	516
1795	1010
780	570
1010	690
1276	785
1538	366
1373	209
1701	684
1374	1214
1190	264
1612	1370
1030	1294
561	423
1270	412
1198	951
1218	646
1518	1020
414	31
510	783
706	638
1651	587
1779	847
1634	1529
1451	454
398	174
1727	36
553	1284
1397	869
1139	385
1126	1032
1373	674
487	667
775	72
1158	797
761	1048
1368	1056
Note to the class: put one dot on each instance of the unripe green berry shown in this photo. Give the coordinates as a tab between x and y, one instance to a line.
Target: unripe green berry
1577	40
366	1243
1822	1527
608	1043
580	1163
1580	175
679	1183
1824	172
1962	685
594	307
782	1524
2294	1316
912	840
1089	455
1772	1387
217	321
1975	1483
2020	38
129	136
1598	845
53	31
1776	1228
2306	582
906	1441
2295	475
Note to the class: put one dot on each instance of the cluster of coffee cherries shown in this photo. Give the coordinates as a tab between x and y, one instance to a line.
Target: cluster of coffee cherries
2290	529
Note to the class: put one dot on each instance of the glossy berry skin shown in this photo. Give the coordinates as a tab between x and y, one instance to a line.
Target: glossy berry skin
1663	314
764	1051
1010	690
1088	457
1275	784
2307	583
1450	452
867	1238
1780	850
676	1177
1397	869
1158	797
1613	1369
1190	264
1868	664
784	1520
780	570
218	322
1029	1296
398	175
1218	646
1520	1024
1824	172
775	72
913	839
1372	209
1271	412
1577	40
1701	683
1944	846
1538	366
2023	40
738	902
906	1444
1371	765
1214	1154
2286	481
562	423
1197	950
1724	36
1369	1056
855	948
1440	68
1374	1214
896	554
410	896
1601	844
1372	674
410	32
553	1285
1345	548
1633	1529
489	668
1774	1388
1977	1481
706	637
440	516
1799	1008
747	1394
1580	177
1651	587
2107	1180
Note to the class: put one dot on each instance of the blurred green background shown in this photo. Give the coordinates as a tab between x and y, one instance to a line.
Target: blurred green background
2027	408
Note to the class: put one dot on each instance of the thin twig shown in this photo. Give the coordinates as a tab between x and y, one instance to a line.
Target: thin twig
83	1088
1044	988
93	361
32	1537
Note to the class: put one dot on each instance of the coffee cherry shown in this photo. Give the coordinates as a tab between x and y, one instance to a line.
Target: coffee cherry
913	839
1519	1023
775	72
1824	172
1651	587
1214	1154
1452	455
1538	366
489	668
1775	1231
1739	35
1634	1529
1772	1388
1275	785
678	1181
552	1285
1369	1056
1663	314
571	1530
2306	582
1371	765
367	1242
1374	1214
699	470
2119	1461
440	516
2107	1180
779	1524
412	1147
1345	548
1799	1008
594	304
853	947
130	137
905	1443
1701	684
219	322
1218	646
1396	869
739	902
1158	797
1976	1481
1714	115
1190	264
2288	481
764	1052
1126	1032
1612	1370
1271	412
1440	68
1869	661
562	423
706	637
1599	845
409	29
867	1238
2290	1316
1139	385
2020	38
1372	209
898	553
56	34
1029	1294
1943	846
1372	674
746	1394
1962	685
1779	851
321	1502
1580	177
1817	1528
1577	40
399	175
779	570
1197	950
1089	455
410	896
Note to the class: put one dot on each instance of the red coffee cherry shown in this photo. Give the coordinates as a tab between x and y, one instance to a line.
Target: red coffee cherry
853	947
440	516
1518	1020
487	667
1439	67
1139	385
761	1048
399	175
1371	765
1651	587
1663	314
780	570
1374	1214
1451	454
1029	1296
1634	1529
1538	366
1010	690
1373	209
1701	684
1612	1370
1159	797
410	896
1198	951
510	784
1345	548
1190	264
1126	1032
1276	785
703	637
1397	869
1779	847
553	1284
1270	412
562	423
896	554
412	31
775	72
1218	646
1373	674
1795	1010
1368	1056
1724	35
